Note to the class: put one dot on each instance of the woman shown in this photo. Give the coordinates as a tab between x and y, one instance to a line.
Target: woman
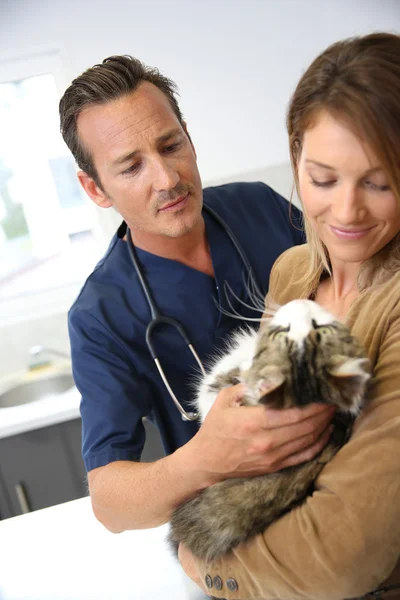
344	132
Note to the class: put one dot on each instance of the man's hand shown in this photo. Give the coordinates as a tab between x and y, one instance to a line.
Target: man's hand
233	441
240	441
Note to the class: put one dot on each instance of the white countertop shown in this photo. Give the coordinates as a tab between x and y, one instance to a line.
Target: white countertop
41	413
64	553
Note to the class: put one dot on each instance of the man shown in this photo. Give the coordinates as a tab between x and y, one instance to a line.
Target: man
122	123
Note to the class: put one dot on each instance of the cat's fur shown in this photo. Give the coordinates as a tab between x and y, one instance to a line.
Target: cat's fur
301	355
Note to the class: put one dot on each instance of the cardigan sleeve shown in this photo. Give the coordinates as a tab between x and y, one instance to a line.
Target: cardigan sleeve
344	540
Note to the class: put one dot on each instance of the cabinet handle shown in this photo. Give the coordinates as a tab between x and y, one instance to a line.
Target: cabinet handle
22	499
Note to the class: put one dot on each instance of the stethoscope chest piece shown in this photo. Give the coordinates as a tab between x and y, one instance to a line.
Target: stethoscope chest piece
159	319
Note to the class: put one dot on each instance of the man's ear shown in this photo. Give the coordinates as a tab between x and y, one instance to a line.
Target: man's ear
93	191
185	129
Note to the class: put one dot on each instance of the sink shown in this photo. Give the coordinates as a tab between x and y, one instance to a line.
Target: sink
38	389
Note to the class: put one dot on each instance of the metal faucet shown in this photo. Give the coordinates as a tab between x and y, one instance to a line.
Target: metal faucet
36	359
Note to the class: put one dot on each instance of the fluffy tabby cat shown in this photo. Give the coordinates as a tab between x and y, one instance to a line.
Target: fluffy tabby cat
301	355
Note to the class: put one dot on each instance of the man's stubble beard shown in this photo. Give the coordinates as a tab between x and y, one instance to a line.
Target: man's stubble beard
183	229
165	197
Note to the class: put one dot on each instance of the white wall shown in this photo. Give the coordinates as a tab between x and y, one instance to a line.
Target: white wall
236	63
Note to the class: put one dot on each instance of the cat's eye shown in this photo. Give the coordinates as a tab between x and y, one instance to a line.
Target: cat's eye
325	330
280	335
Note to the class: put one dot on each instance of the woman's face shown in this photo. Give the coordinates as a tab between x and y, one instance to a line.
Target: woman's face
345	192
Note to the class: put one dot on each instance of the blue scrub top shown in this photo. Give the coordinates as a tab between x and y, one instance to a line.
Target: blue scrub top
112	366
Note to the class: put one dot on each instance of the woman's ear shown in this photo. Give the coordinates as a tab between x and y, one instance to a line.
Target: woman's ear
93	191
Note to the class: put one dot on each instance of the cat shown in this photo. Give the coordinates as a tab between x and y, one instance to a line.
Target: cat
299	356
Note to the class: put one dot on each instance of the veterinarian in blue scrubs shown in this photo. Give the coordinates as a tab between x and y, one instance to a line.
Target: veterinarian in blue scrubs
122	123
113	368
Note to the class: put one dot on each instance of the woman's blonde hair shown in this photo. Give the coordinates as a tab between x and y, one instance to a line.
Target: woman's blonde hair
357	81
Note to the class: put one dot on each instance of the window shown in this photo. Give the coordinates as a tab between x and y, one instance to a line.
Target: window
50	234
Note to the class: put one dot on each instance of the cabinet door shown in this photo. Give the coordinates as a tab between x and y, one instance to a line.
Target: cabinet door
37	469
71	432
5	501
153	448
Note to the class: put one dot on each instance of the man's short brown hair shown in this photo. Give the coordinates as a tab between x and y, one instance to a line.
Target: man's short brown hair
115	77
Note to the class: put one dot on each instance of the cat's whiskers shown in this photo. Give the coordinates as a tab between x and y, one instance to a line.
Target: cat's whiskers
227	286
255	294
271	307
268	311
236	315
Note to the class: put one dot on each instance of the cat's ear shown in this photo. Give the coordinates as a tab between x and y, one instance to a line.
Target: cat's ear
269	387
350	376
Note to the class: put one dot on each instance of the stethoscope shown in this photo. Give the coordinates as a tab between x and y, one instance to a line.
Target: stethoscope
157	318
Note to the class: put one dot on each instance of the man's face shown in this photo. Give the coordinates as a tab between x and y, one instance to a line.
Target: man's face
145	162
